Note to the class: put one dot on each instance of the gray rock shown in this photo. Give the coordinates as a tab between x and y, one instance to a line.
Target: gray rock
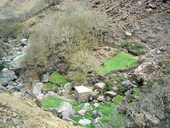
111	94
100	87
84	122
45	77
82	93
23	42
67	89
96	105
101	98
115	89
66	110
82	112
84	109
37	89
6	76
86	106
152	119
128	34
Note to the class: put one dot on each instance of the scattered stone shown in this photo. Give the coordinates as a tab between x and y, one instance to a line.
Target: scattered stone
114	88
82	112
86	106
151	118
84	109
67	89
45	78
94	114
162	49
84	122
6	76
149	9
111	94
108	98
82	93
128	34
100	87
94	95
23	42
96	105
66	110
158	52
101	98
153	6
37	89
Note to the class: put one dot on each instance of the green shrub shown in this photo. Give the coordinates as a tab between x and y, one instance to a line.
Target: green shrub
134	48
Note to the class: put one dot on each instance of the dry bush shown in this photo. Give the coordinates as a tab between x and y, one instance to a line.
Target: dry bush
75	33
156	102
74	25
36	55
82	62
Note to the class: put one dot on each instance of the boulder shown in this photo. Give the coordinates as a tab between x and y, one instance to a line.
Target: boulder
23	42
100	87
101	98
84	122
65	110
82	93
45	77
152	119
67	89
111	94
6	76
37	88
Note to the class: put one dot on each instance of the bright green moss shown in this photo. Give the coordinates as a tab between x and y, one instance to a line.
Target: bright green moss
119	62
57	78
51	102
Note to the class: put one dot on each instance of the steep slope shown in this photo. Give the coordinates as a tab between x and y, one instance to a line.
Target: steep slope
16	111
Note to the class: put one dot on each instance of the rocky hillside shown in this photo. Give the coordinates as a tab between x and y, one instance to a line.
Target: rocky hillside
19	111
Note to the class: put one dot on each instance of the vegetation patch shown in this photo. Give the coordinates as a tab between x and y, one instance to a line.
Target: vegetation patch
165	64
135	48
49	86
119	62
107	110
51	102
56	78
54	101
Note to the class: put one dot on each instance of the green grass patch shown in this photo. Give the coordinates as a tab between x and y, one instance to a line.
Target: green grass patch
49	86
57	78
54	101
135	48
110	114
119	62
51	102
